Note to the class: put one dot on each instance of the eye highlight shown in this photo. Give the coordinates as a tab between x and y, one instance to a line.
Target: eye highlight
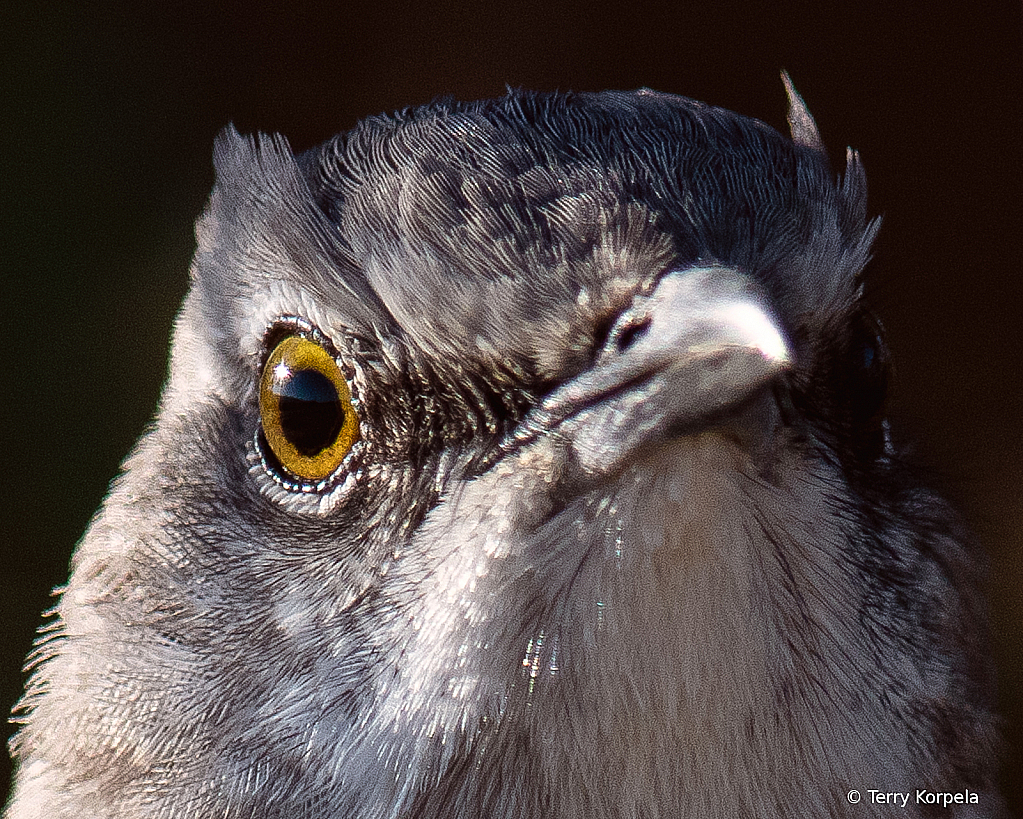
309	421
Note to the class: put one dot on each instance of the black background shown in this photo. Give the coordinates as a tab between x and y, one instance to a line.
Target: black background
110	109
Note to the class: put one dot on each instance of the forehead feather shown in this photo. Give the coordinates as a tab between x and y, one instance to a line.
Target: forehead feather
510	227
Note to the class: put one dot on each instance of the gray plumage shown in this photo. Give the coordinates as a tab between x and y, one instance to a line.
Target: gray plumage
621	530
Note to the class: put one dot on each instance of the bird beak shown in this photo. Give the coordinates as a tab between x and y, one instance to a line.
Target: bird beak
692	354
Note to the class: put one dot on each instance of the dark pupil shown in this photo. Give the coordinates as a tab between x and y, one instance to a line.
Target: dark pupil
311	413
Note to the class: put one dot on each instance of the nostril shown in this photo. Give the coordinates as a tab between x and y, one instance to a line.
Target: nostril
631	333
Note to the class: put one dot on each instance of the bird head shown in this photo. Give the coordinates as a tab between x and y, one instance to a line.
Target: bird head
521	457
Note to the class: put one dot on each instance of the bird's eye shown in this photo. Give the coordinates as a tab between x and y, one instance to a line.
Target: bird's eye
306	409
862	386
868	370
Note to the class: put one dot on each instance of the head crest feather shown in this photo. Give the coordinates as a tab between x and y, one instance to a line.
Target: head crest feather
801	124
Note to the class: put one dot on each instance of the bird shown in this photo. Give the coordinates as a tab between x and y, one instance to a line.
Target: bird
522	457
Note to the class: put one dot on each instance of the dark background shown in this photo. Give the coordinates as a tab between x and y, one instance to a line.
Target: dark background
109	113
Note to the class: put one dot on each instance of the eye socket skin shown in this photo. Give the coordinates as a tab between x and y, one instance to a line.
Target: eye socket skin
308	418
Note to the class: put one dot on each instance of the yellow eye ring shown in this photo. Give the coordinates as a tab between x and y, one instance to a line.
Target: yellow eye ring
306	409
